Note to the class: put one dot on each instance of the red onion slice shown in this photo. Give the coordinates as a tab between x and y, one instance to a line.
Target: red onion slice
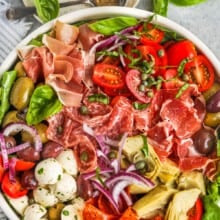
17	127
107	194
88	176
4	151
12	172
18	148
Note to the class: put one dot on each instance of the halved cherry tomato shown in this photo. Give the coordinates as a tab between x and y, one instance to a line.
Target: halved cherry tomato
12	189
180	51
1	169
150	33
133	81
172	82
115	92
129	214
108	76
158	217
22	165
195	213
157	52
201	72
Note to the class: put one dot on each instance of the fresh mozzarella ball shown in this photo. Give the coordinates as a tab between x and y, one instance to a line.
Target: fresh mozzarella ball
68	162
65	188
19	204
34	212
48	171
69	213
78	203
44	197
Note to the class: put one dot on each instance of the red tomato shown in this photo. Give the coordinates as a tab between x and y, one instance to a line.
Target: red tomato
171	81
201	72
158	54
150	34
1	169
180	51
133	80
12	189
115	92
22	165
195	213
108	76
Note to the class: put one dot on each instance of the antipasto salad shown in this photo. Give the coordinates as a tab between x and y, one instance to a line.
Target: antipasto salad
111	119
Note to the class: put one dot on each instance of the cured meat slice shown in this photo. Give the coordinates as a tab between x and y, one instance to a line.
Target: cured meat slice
183	119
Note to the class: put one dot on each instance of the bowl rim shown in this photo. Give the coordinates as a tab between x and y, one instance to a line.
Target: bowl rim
101	12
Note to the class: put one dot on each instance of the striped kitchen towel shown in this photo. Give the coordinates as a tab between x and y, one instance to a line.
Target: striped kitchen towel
11	32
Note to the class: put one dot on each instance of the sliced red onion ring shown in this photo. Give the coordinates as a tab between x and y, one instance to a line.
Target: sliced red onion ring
107	194
17	127
111	142
126	198
18	148
92	174
130	177
12	172
121	145
4	151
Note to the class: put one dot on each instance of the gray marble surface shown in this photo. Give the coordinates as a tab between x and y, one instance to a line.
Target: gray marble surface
203	20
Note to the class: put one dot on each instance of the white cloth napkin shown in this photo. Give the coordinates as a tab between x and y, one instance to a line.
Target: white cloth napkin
11	32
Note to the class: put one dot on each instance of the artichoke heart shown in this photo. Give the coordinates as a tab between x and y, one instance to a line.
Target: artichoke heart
181	203
133	152
153	202
192	179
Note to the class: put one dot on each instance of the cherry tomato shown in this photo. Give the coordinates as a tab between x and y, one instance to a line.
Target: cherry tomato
149	33
157	53
12	189
22	165
115	92
1	169
180	51
201	72
133	81
195	213
172	82
108	76
111	60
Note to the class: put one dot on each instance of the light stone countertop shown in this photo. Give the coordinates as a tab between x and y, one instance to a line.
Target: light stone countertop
203	20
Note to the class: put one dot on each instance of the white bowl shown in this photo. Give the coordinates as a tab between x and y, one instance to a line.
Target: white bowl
100	12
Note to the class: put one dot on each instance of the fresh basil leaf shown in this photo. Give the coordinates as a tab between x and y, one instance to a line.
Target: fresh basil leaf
44	103
47	9
186	2
160	7
110	26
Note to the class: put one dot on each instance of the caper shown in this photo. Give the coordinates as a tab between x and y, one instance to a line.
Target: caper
20	69
144	76
150	93
112	155
84	110
11	117
212	119
140	165
21	92
142	88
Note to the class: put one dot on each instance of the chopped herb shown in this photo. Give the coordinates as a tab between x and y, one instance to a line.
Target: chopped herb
181	90
144	149
66	213
140	106
180	69
40	171
161	52
59	177
97	171
99	98
108	53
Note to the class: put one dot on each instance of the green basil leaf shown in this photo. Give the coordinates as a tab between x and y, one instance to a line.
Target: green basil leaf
110	26
160	7
47	9
186	2
44	103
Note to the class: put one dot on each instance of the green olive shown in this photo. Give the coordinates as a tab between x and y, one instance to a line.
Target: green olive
41	129
210	92
20	69
11	117
54	212
21	92
212	119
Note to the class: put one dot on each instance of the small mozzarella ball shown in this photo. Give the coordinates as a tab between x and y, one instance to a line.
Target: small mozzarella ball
34	212
19	204
65	188
69	213
44	197
68	162
48	171
78	203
